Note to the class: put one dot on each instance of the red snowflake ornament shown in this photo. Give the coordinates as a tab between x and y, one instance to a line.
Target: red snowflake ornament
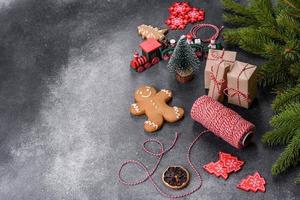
175	22
179	8
230	162
195	15
253	183
216	168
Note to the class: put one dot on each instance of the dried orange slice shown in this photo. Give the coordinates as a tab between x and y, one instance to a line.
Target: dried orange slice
176	177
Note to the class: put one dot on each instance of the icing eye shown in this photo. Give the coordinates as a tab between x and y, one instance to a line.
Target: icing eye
141	92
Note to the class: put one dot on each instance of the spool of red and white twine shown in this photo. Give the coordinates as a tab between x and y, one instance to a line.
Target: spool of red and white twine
222	121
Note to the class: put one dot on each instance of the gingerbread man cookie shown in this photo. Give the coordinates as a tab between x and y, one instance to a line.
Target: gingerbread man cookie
154	105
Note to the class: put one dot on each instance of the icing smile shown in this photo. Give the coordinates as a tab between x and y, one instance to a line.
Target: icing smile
146	95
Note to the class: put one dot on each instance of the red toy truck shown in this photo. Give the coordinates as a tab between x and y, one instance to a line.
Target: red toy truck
151	55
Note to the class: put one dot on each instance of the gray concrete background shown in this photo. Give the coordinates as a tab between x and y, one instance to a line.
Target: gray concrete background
65	91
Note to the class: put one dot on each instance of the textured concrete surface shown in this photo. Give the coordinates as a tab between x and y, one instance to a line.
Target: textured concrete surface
65	90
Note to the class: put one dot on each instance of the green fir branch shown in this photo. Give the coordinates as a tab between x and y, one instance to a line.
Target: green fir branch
252	41
290	156
280	136
291	95
264	13
235	19
232	36
290	117
273	32
236	8
288	22
294	70
297	180
292	4
272	73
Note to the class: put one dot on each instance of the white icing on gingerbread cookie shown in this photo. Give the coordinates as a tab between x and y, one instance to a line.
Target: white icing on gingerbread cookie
154	105
176	109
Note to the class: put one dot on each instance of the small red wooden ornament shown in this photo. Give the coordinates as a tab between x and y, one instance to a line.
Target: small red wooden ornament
230	162
189	37
195	15
176	22
216	168
253	183
179	8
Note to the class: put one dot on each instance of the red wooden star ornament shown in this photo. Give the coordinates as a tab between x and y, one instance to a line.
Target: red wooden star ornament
176	22
253	183
195	15
179	8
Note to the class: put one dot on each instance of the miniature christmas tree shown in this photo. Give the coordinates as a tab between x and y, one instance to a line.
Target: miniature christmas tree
273	31
183	61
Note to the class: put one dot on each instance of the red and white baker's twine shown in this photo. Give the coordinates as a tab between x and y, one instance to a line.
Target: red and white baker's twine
222	121
197	27
237	91
215	56
217	83
159	157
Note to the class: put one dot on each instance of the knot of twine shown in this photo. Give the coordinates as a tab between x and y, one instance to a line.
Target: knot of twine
246	97
159	155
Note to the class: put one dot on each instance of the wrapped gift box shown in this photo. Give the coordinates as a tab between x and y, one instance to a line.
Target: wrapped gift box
218	80
216	57
241	84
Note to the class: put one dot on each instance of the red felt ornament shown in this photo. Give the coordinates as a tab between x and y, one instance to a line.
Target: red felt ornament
179	8
176	22
216	168
195	15
231	163
253	183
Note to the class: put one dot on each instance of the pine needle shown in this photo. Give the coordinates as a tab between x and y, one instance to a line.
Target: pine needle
289	157
281	136
291	95
297	180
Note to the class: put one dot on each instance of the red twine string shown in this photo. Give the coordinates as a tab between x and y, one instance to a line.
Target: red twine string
197	27
159	155
222	121
217	84
237	91
215	56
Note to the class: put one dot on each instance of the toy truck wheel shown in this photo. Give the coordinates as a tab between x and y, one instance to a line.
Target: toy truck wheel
133	64
140	69
155	60
147	65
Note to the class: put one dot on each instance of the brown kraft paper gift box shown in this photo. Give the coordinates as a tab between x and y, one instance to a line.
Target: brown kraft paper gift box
216	57
241	84
218	80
